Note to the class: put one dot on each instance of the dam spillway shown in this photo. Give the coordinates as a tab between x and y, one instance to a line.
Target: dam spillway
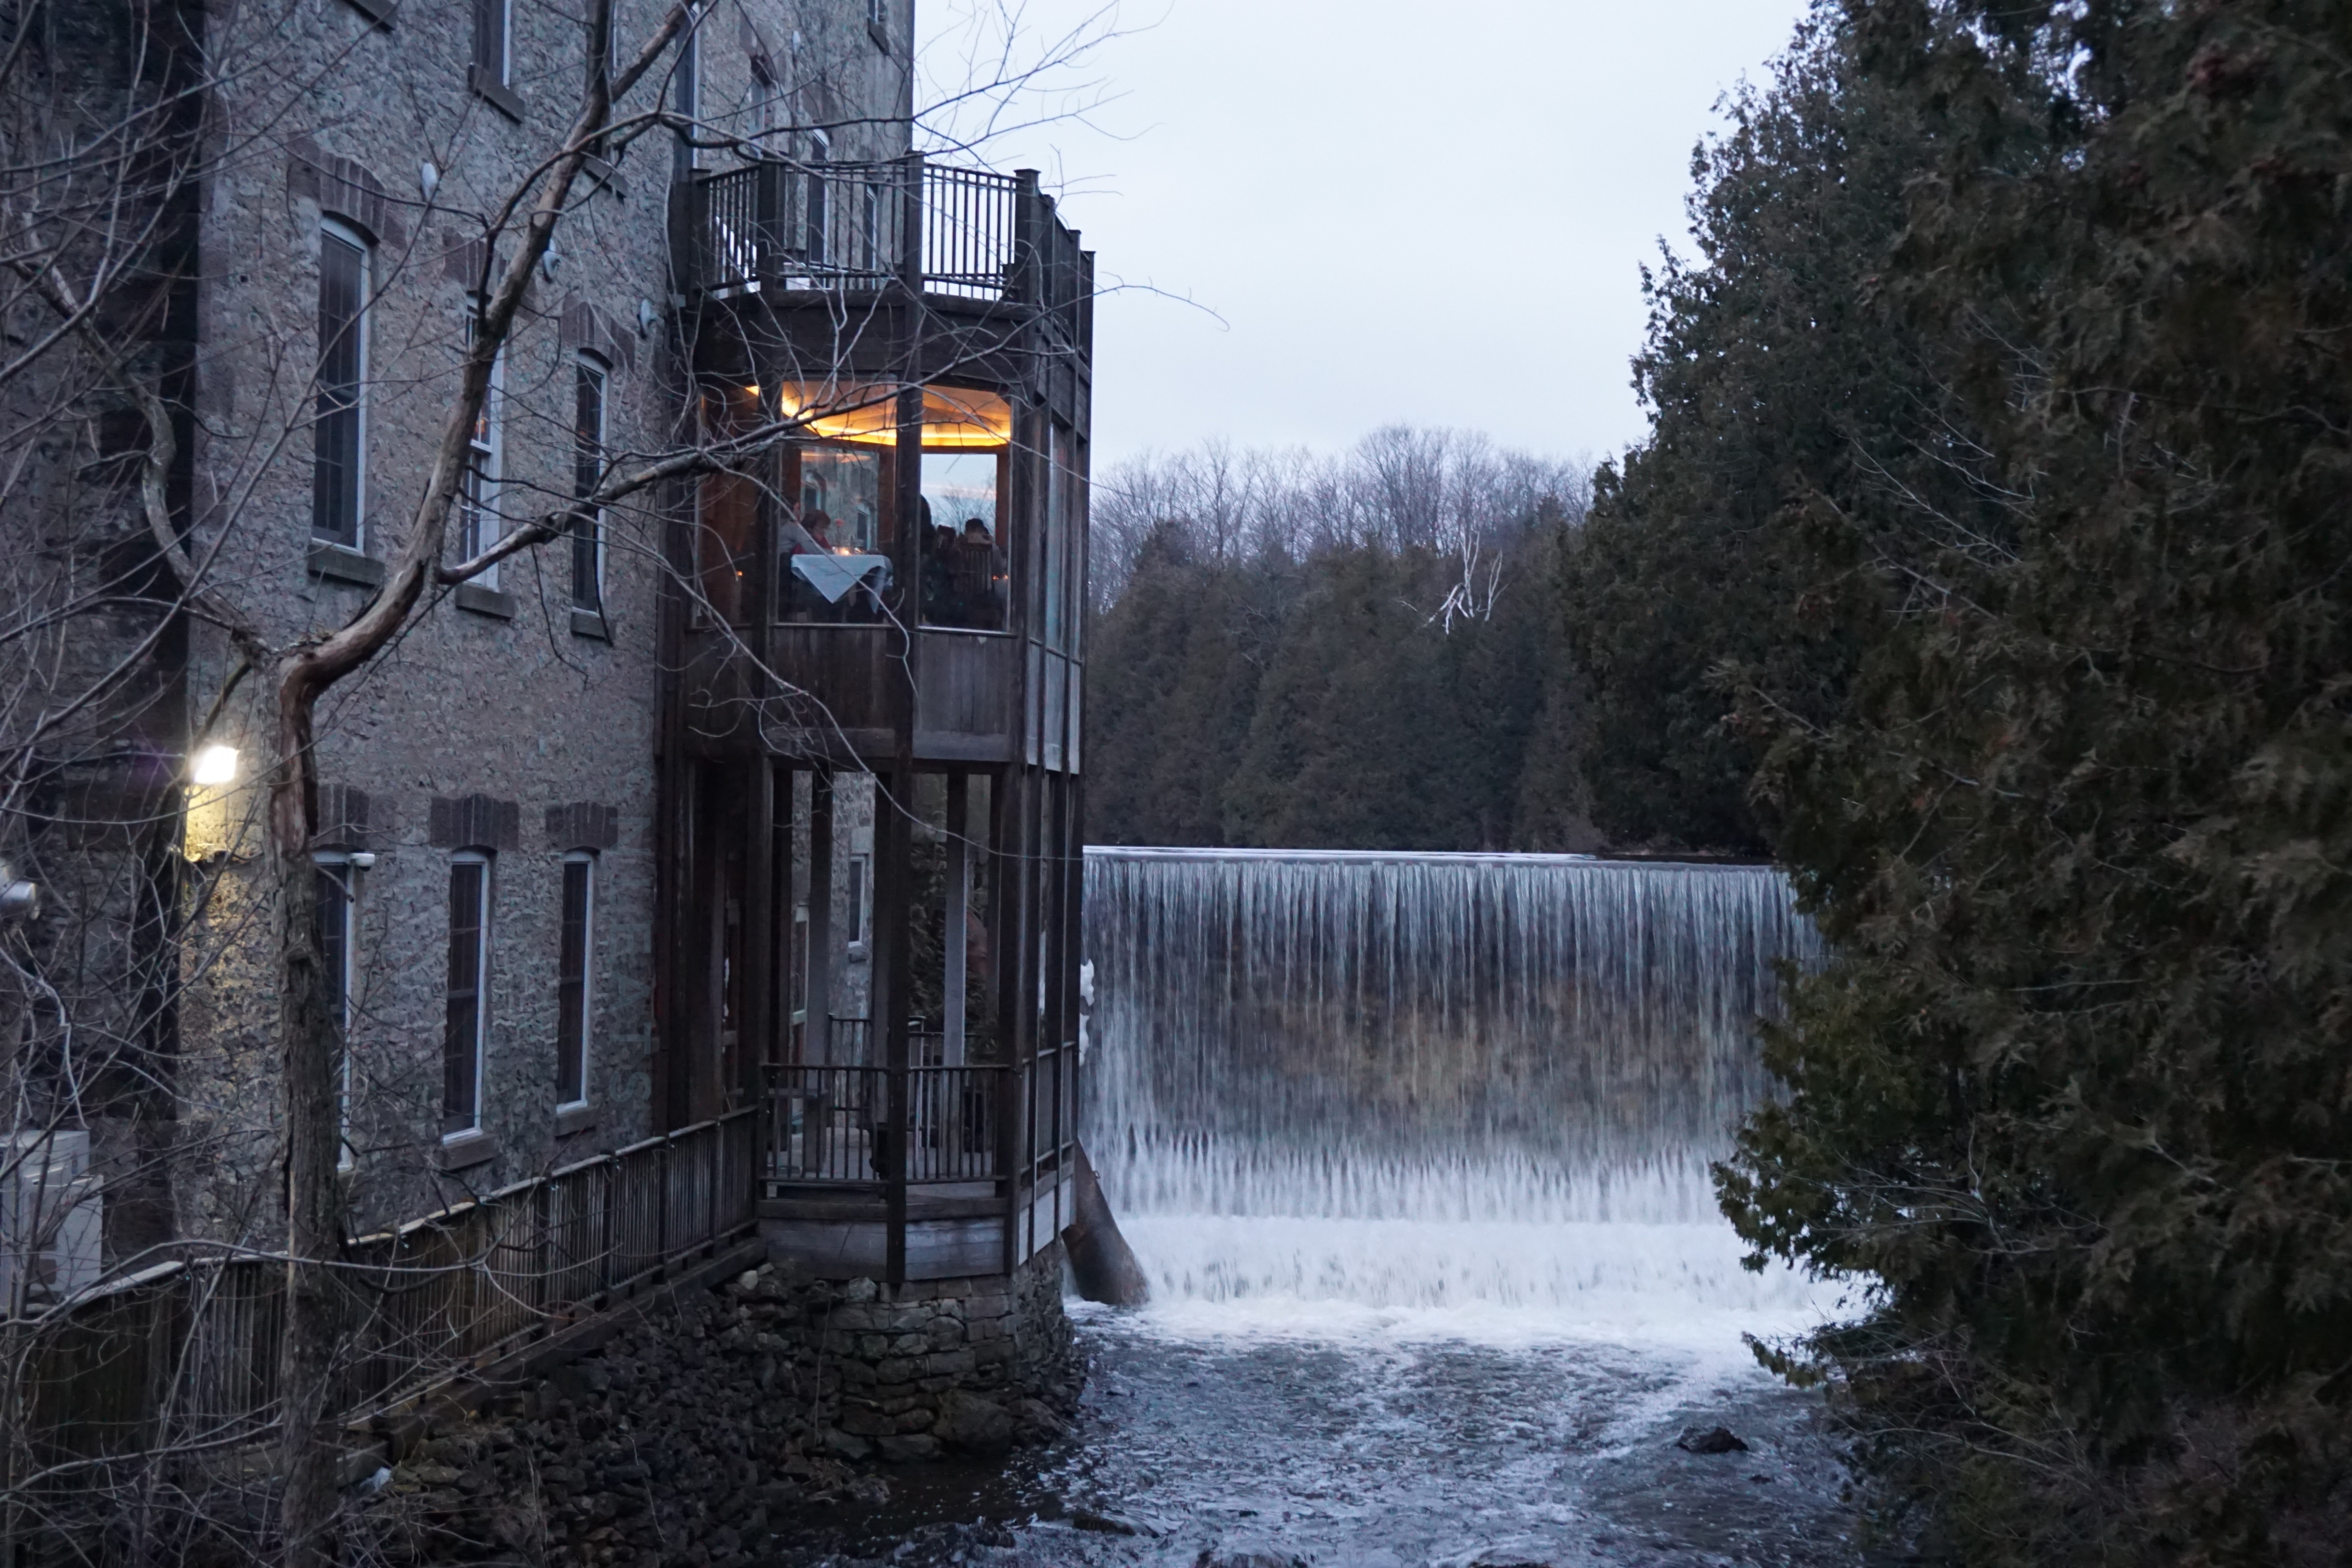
1422	1078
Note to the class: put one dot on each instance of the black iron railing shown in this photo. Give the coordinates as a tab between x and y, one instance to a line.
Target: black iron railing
875	1127
849	227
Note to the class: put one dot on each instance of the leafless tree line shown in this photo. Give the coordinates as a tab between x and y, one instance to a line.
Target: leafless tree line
1453	493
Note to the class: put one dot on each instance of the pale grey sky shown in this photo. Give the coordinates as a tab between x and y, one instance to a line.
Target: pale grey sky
1426	213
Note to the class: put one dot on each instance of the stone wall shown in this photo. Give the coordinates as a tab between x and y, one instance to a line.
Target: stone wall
724	1417
946	1363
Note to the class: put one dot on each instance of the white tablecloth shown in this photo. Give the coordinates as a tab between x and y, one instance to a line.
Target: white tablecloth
835	575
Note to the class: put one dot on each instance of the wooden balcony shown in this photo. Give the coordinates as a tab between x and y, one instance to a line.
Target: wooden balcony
921	1173
967	240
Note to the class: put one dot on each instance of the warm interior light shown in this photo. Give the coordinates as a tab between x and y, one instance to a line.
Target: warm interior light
215	765
953	416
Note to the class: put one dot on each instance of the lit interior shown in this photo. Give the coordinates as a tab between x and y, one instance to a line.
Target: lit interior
953	416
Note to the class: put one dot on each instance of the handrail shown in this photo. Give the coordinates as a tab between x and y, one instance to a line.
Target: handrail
186	1353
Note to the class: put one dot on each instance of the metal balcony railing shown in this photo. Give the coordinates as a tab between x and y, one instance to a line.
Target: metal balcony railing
882	1126
851	227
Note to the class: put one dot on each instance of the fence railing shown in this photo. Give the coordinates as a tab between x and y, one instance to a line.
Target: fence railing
185	1354
851	1125
856	227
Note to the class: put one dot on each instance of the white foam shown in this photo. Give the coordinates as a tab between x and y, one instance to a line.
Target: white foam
1491	1282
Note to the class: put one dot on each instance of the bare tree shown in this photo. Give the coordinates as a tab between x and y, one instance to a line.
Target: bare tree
1450	493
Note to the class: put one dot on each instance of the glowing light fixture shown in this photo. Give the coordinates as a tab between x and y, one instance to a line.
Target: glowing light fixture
215	765
953	416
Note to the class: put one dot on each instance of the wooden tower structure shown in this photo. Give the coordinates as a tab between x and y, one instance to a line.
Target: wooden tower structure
870	766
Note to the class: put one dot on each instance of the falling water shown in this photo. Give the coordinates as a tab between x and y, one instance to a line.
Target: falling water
1428	1080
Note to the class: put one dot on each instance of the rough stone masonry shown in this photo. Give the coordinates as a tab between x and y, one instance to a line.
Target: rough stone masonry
725	1416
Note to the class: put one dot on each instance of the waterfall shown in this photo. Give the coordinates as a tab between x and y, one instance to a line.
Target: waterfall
1431	1054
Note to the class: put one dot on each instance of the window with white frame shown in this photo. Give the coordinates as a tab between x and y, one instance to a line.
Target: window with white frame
590	384
479	526
339	428
494	39
466	1025
575	959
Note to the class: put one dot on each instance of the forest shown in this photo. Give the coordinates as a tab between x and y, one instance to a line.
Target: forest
1986	565
1364	652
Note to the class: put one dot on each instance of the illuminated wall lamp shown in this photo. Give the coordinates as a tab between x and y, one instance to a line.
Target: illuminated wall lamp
214	767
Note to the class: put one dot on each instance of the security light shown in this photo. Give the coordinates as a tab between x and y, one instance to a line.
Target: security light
215	765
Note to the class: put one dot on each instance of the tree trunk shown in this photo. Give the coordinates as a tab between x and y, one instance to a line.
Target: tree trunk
313	1036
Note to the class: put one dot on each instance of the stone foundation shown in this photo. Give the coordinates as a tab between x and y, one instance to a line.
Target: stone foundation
946	1361
724	1416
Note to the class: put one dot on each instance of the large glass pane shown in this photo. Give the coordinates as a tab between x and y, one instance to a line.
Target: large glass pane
835	551
966	575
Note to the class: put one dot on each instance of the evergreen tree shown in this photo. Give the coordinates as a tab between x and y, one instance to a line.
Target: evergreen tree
2046	687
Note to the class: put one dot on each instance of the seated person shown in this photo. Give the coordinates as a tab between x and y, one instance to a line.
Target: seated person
977	577
939	575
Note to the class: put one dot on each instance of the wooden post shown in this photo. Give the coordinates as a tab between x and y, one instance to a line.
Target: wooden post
755	1019
769	216
893	883
959	908
819	1046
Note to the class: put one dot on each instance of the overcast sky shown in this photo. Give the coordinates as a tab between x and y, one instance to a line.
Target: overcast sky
1433	213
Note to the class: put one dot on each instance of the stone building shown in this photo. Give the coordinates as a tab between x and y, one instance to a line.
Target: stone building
754	778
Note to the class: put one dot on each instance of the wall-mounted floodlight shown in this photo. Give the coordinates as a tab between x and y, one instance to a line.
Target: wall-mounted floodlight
19	899
214	765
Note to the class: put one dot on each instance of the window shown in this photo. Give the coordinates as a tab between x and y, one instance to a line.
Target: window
966	581
575	947
479	526
835	550
858	866
493	32
819	202
338	436
332	882
462	1034
588	473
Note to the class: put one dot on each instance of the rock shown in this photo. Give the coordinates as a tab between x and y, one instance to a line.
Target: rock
1711	1440
1101	1523
1034	1421
1101	1263
908	1447
1209	1559
846	1445
967	1421
871	1491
